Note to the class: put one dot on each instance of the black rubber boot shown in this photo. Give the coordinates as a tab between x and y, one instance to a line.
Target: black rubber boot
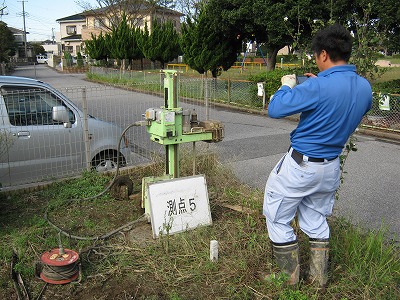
319	256
287	258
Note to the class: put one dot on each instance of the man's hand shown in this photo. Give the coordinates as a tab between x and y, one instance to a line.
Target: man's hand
289	80
310	75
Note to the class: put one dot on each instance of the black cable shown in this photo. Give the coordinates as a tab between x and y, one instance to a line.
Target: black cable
58	273
102	237
107	235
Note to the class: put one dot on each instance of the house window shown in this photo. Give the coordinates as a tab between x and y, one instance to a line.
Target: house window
98	23
69	49
71	30
140	22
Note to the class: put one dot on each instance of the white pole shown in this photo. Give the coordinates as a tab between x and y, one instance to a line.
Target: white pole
214	251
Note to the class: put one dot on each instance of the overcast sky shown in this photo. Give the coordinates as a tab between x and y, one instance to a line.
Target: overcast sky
40	15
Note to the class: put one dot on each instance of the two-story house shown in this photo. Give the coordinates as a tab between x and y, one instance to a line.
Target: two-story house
76	29
71	33
24	50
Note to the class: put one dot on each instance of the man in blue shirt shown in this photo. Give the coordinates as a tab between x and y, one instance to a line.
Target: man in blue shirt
331	105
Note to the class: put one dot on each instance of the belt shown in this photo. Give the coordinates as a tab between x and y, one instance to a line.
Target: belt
298	157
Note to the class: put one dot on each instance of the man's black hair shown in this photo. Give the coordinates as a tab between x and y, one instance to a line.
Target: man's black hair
335	40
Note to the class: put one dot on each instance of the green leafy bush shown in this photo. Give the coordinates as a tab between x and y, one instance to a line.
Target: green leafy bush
79	60
390	87
272	79
68	59
289	58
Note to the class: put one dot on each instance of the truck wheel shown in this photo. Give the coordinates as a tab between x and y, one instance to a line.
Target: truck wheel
106	162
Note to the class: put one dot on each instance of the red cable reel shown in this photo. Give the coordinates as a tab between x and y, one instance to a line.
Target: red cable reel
60	266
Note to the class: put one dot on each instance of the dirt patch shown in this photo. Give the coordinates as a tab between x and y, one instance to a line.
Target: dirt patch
385	63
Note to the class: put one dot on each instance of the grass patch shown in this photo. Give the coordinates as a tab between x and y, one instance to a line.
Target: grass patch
131	265
390	74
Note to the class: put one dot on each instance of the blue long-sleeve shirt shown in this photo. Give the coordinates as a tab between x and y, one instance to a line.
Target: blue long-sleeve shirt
331	106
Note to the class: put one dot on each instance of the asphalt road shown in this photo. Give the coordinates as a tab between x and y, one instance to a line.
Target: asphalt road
369	196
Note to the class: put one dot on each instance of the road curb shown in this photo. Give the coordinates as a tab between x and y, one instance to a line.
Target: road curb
379	134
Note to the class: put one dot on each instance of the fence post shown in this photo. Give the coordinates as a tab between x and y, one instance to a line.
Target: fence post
229	90
86	129
206	99
261	92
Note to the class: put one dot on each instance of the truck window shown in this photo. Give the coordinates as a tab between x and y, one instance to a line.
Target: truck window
26	106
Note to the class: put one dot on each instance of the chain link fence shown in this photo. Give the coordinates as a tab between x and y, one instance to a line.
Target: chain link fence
236	92
66	148
36	147
384	115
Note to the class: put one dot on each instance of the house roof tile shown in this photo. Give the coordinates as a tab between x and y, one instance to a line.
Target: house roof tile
72	37
76	17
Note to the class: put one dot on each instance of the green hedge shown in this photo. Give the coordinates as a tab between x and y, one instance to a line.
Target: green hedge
272	79
390	87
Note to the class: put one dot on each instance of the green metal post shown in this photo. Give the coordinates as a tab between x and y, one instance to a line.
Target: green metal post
170	126
171	102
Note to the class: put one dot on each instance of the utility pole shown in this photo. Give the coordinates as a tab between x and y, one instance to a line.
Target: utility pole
23	15
2	13
52	35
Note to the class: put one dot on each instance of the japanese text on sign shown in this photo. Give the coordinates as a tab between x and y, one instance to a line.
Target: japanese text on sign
179	204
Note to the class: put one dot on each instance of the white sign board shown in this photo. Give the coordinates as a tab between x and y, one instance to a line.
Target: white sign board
384	102
178	205
260	89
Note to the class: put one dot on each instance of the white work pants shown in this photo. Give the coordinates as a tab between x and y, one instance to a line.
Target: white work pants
308	188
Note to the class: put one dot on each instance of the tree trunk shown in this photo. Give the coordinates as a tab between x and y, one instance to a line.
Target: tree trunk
272	52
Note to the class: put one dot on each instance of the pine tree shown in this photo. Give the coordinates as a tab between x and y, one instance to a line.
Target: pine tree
96	48
206	48
162	44
120	41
